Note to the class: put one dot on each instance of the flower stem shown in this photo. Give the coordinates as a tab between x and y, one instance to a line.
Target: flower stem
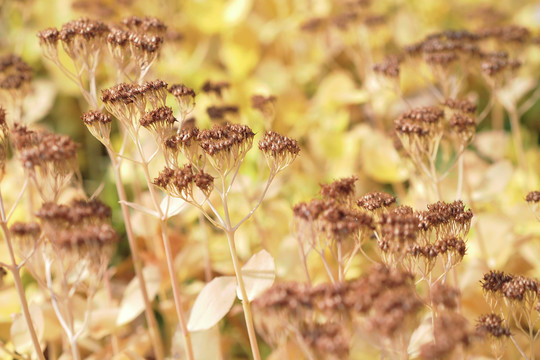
246	305
150	318
15	270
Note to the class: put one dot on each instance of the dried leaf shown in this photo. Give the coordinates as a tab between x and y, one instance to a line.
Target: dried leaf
20	337
132	303
171	206
103	322
213	303
206	344
258	274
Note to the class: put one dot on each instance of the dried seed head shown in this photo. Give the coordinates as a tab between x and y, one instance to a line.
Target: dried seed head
185	142
399	226
340	223
15	77
327	340
444	296
533	197
389	67
375	201
226	146
99	124
309	211
341	190
145	25
493	281
21	229
23	138
492	325
280	151
221	113
82	40
185	97
160	122
450	332
179	182
461	105
520	288
506	34
265	104
216	88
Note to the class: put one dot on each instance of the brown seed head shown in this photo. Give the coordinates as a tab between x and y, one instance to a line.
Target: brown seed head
533	197
493	281
95	116
280	151
376	200
492	325
21	229
215	87
340	190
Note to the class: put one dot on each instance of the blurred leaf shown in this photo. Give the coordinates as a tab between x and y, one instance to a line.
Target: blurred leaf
140	208
132	304
240	51
496	178
103	322
236	11
39	102
171	206
20	336
10	303
380	160
258	275
213	303
206	344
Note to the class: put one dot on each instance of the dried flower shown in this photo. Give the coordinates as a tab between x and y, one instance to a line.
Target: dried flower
342	190
99	124
280	151
376	200
185	97
492	325
220	113
216	88
226	146
160	121
179	182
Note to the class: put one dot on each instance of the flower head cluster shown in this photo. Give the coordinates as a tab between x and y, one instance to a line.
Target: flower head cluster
49	159
264	104
181	182
451	332
128	102
492	325
533	199
81	39
280	151
383	302
15	78
99	124
160	122
81	230
185	97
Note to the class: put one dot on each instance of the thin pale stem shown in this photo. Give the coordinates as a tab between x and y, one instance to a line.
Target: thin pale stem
169	257
246	304
15	270
149	313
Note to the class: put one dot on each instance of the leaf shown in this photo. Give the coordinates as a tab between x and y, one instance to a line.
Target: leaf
380	160
206	344
258	274
20	336
132	304
213	303
171	206
103	322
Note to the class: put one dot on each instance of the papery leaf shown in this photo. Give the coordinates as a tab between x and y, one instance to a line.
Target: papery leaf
103	322
20	337
171	206
213	303
259	274
132	304
206	344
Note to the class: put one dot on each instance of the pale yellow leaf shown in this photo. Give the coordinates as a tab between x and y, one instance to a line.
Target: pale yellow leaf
103	322
206	344
213	303
20	337
132	303
258	274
